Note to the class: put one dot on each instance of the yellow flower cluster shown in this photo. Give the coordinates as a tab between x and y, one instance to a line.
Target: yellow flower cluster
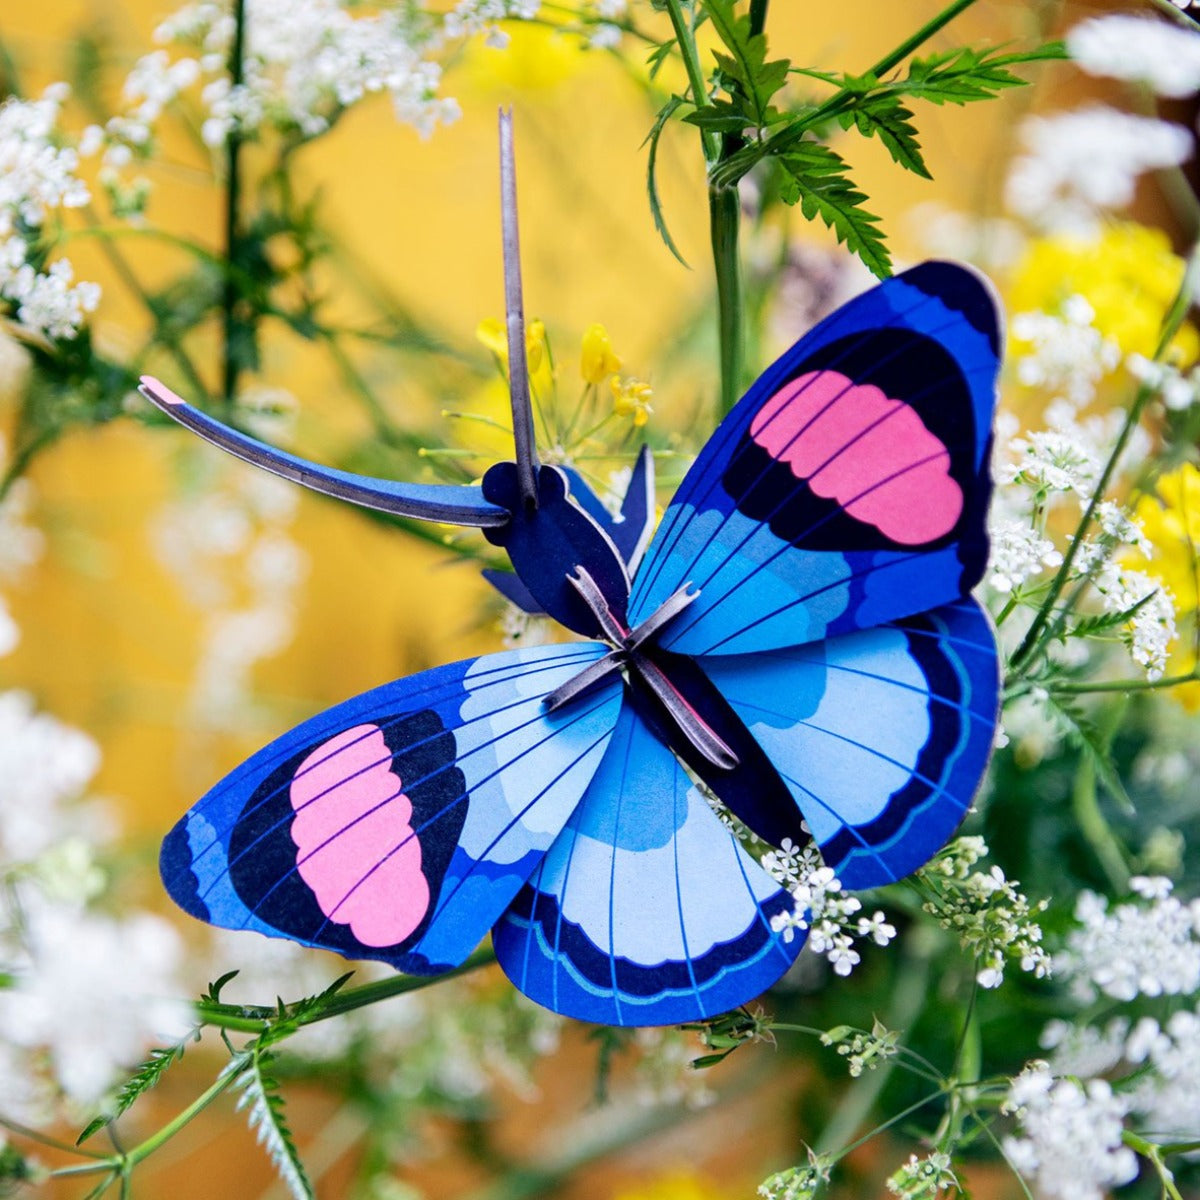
1171	521
1127	273
597	359
493	333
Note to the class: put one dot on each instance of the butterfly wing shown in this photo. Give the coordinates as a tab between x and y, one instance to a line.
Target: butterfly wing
646	910
881	736
400	824
849	486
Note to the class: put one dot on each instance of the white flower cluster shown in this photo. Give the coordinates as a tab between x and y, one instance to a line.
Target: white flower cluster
1070	1145
821	907
231	552
1151	630
1018	553
1178	390
37	178
605	34
923	1178
1047	461
470	17
1144	947
1160	54
985	910
1080	164
1068	354
1166	1098
85	993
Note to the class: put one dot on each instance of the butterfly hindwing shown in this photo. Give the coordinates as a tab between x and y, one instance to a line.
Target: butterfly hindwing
881	736
849	486
400	824
646	910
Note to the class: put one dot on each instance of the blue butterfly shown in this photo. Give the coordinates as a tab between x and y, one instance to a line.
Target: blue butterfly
797	640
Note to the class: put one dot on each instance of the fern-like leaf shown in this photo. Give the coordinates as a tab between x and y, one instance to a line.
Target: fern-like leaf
885	117
1082	733
267	1116
652	139
818	179
141	1081
961	76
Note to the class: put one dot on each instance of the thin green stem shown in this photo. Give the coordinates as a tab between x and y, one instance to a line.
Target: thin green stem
231	366
691	64
44	1139
724	214
1126	686
256	1018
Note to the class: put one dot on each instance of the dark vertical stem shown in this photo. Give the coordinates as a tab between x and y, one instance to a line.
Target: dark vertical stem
514	312
758	16
233	153
724	213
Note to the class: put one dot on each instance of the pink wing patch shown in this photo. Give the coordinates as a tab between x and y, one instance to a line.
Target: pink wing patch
871	454
356	847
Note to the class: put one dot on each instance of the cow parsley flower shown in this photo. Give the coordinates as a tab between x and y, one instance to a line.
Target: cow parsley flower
1151	630
1067	353
1049	461
1166	1098
1159	54
37	178
923	1178
1080	164
1137	948
1019	553
985	910
1070	1145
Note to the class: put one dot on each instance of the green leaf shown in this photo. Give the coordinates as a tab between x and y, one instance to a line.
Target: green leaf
664	115
1096	623
818	180
963	75
745	69
141	1081
885	117
268	1118
1085	736
721	116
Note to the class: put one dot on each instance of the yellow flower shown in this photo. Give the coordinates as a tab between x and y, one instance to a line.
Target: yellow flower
631	398
493	333
678	1185
597	361
1171	521
1127	273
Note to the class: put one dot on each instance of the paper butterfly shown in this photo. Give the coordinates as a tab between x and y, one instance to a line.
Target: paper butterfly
797	635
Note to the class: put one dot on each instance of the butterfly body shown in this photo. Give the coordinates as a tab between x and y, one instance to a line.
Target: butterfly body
797	641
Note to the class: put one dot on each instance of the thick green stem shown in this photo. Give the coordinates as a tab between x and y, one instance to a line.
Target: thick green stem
255	1018
724	211
231	366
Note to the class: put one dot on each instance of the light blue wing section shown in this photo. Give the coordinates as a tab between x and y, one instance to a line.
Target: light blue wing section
882	736
646	911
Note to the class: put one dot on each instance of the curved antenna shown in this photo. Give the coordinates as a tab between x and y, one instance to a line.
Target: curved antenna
514	311
446	503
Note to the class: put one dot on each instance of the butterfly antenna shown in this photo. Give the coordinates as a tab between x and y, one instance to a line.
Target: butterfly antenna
514	309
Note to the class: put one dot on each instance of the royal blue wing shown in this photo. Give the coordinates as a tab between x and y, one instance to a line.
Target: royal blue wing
646	910
881	736
849	486
400	824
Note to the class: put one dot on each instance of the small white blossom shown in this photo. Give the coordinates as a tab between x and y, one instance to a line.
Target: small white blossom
1134	949
1141	50
1019	553
923	1178
1085	1050
1151	630
1079	164
1070	1145
1048	461
1067	354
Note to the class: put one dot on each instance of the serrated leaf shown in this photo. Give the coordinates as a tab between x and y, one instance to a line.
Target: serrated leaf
963	75
885	117
820	184
1084	735
720	116
141	1081
664	115
745	68
1103	622
267	1116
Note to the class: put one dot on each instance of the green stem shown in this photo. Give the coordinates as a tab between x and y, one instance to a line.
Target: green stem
908	998
691	64
1085	801
724	214
758	16
233	168
1126	685
1032	638
256	1018
171	1128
